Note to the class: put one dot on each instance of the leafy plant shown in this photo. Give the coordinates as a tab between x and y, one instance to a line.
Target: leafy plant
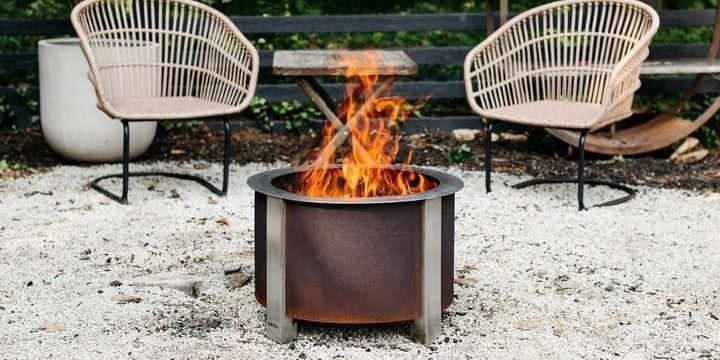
189	126
4	165
460	154
709	136
298	116
6	112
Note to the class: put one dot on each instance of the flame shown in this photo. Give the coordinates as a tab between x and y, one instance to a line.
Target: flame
370	123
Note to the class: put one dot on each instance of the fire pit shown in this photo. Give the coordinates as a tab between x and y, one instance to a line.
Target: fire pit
353	260
355	239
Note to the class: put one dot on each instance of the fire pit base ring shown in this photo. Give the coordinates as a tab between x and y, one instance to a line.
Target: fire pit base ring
357	261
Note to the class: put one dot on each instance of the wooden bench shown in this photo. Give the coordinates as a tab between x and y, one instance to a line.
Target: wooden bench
304	65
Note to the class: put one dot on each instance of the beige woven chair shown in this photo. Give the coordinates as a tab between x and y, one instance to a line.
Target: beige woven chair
156	60
571	64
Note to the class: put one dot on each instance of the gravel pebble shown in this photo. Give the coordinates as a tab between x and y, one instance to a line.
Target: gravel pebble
541	270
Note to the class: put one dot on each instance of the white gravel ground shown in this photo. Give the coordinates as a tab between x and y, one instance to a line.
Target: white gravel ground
639	280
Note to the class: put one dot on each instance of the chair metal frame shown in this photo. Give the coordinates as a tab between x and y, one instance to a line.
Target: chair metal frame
582	54
126	174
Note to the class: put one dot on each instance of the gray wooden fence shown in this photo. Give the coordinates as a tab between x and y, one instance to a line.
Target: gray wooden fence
26	61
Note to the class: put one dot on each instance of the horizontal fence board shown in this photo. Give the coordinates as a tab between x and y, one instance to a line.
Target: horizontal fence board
687	17
678	51
451	55
409	89
412	125
347	23
446	123
412	90
437	89
456	89
36	27
677	85
360	23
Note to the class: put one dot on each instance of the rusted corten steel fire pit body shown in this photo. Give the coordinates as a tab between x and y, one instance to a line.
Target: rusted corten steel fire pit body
353	260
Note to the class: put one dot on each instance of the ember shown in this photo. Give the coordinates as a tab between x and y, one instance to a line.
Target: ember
369	118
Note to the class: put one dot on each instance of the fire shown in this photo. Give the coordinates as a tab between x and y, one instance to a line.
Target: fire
369	126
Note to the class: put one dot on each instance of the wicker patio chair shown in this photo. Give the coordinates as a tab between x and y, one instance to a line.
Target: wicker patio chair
571	64
153	60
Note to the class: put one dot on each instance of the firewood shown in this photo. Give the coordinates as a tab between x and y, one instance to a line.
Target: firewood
513	138
189	284
463	281
465	135
692	157
236	281
125	299
687	145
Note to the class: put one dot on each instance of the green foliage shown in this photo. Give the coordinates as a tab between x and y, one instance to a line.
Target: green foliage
709	134
259	109
5	110
4	165
693	35
461	154
35	8
187	126
299	116
31	104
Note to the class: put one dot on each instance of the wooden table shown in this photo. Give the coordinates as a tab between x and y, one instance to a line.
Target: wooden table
306	65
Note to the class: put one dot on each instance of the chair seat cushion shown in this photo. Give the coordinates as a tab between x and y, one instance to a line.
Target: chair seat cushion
167	108
549	113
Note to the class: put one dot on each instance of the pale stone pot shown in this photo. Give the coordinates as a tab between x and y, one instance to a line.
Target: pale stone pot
72	124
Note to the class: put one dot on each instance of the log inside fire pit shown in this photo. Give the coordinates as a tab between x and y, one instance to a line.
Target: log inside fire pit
353	260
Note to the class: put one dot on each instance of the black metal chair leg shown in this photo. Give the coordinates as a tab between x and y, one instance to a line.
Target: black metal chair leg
581	171
126	162
581	181
126	174
226	158
489	125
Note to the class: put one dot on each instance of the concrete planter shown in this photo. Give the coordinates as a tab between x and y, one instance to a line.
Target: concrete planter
72	124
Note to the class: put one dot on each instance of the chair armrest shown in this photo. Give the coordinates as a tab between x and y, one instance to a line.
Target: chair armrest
489	76
624	79
471	70
244	66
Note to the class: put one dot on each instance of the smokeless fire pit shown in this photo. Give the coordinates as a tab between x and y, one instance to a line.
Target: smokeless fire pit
357	260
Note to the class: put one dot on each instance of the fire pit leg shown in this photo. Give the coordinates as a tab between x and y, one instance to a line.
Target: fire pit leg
278	327
429	326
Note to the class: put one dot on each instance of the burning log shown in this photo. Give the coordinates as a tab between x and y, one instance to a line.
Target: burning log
374	144
369	104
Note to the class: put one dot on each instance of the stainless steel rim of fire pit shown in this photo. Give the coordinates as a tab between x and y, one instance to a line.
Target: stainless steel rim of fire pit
447	184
